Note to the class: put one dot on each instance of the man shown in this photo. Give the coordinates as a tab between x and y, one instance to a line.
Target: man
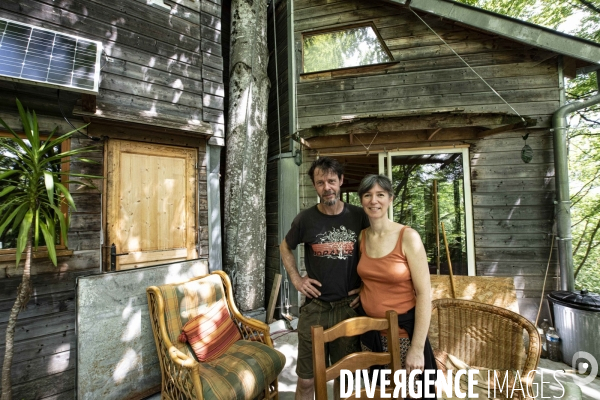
329	232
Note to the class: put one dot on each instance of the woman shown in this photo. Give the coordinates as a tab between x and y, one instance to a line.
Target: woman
395	274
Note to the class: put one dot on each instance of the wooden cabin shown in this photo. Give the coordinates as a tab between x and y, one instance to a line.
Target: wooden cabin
158	112
439	96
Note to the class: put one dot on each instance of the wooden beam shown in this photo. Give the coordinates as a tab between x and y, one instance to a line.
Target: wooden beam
410	123
391	139
273	298
505	128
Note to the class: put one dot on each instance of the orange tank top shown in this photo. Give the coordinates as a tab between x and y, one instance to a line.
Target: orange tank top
387	283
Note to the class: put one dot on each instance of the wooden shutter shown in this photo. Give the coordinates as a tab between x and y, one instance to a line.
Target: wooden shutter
151	203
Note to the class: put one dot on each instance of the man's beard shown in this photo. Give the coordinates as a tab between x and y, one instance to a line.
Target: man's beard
332	201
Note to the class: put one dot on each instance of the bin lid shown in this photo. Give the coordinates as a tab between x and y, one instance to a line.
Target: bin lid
582	300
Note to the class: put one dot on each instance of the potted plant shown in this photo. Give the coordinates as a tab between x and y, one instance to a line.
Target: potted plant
31	195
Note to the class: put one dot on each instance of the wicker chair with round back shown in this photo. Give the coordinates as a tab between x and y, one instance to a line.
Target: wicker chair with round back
488	338
206	348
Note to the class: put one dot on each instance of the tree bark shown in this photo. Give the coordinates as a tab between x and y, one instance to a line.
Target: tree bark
23	295
246	153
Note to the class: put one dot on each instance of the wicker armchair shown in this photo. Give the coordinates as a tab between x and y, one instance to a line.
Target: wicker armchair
485	337
248	369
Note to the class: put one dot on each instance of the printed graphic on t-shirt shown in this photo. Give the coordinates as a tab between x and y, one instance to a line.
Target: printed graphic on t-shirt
337	243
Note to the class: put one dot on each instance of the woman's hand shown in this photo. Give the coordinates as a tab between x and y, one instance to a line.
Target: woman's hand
414	360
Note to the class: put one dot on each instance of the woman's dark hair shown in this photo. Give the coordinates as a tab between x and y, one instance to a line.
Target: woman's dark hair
371	180
326	164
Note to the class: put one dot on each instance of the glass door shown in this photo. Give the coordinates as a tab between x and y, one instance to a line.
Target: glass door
432	194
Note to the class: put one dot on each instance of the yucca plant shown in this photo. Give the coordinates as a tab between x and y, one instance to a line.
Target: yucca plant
31	195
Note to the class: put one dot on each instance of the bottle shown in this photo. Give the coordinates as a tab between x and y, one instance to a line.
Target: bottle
544	326
544	353
553	344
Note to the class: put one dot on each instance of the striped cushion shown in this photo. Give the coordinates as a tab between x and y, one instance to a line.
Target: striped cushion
242	372
185	301
211	333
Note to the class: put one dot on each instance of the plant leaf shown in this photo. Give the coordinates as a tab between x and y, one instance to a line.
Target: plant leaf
65	192
23	234
7	190
49	181
49	237
11	217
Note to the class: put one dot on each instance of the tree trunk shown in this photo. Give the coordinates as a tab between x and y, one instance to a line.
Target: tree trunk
23	294
246	157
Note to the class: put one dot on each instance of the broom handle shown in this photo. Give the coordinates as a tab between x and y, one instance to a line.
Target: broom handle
449	262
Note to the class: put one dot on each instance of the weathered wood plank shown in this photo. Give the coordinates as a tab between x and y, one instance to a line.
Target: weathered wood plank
48	387
43	284
422	77
325	21
41	366
392	93
175	94
46	346
513	226
517	268
544	156
507	184
135	18
528	240
431	101
40	305
525	108
513	198
79	261
41	326
512	171
513	212
512	253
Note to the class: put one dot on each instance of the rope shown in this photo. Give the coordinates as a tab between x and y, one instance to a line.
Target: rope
544	284
367	148
467	64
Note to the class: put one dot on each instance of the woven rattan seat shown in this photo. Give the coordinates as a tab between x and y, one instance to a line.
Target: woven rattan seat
485	337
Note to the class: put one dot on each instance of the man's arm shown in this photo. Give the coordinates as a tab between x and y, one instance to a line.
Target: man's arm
303	284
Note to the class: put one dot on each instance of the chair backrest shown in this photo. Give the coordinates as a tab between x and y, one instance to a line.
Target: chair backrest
355	361
484	335
176	304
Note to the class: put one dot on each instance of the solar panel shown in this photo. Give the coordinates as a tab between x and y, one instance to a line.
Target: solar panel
49	58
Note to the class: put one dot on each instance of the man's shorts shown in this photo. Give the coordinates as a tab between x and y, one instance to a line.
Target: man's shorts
326	314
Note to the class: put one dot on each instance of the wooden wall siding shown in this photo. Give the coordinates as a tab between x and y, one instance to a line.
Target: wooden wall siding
278	119
426	75
165	68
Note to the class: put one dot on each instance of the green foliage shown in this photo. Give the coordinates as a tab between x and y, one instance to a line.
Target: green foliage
340	49
31	189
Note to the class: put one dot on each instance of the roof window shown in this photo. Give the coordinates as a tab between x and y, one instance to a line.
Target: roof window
349	47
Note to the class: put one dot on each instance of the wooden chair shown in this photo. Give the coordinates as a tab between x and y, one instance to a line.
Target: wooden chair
363	360
485	337
249	367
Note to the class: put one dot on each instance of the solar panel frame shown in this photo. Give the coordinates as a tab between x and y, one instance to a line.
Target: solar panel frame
70	62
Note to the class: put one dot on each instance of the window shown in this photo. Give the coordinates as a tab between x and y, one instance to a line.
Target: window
8	240
349	47
433	187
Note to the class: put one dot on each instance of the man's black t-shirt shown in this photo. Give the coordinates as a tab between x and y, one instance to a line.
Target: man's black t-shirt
330	248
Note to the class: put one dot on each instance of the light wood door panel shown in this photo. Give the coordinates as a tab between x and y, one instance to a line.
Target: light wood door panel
151	203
